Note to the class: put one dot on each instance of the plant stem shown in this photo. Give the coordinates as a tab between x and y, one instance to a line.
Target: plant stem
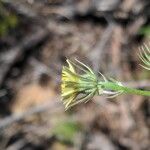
126	90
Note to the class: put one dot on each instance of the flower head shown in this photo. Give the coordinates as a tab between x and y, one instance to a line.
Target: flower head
77	88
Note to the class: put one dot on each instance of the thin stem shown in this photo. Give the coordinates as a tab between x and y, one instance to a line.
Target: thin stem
126	90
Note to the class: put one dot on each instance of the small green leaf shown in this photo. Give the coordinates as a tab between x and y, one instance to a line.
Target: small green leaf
144	55
8	20
145	31
66	131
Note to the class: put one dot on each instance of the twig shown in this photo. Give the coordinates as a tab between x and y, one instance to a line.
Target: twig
15	53
52	106
17	145
21	9
97	52
42	68
138	84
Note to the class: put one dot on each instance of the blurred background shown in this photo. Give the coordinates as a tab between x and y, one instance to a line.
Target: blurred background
36	37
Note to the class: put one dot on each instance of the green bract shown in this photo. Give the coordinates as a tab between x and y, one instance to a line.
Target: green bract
145	56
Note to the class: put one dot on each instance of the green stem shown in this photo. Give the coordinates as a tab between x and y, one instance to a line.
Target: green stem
115	87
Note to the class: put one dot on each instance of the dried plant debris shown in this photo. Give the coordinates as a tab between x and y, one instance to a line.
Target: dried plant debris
41	37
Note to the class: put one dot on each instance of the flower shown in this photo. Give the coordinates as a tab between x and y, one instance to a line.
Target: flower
76	88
